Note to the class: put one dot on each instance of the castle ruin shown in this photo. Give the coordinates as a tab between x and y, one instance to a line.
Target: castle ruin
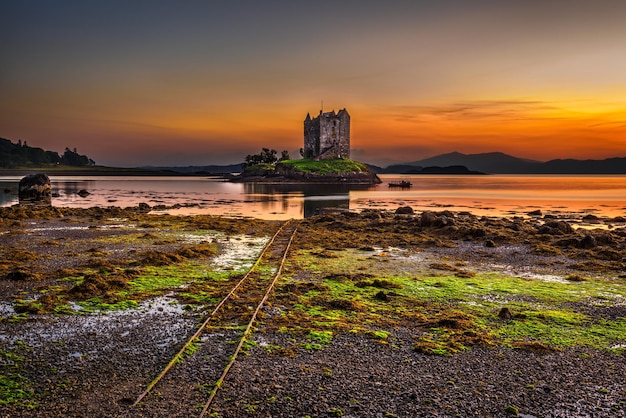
327	135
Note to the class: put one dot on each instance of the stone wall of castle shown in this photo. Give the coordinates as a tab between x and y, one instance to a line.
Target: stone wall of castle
327	135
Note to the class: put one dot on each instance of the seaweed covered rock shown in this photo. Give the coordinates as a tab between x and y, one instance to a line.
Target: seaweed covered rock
555	228
404	210
35	189
430	219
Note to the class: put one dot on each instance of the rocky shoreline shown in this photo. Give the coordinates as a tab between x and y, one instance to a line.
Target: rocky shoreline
69	355
279	176
309	179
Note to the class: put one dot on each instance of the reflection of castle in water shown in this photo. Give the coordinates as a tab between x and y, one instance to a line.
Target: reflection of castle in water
316	197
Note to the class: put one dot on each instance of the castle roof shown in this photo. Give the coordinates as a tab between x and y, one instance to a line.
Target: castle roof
327	115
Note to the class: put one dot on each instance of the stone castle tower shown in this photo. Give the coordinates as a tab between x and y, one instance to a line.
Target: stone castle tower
327	135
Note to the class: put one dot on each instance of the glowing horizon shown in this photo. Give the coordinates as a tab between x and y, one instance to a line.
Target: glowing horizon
210	83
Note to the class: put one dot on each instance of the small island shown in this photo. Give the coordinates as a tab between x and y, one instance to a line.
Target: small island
330	171
326	157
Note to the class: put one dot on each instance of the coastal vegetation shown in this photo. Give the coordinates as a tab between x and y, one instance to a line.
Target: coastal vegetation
267	167
545	315
322	167
21	155
332	284
265	157
267	163
435	284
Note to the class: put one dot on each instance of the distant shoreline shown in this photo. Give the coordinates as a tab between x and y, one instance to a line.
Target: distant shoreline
136	172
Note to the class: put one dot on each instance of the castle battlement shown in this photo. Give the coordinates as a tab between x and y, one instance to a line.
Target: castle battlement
327	135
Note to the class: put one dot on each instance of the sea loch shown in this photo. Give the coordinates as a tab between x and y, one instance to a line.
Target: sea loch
493	195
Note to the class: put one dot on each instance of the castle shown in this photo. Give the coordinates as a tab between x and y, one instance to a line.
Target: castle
327	135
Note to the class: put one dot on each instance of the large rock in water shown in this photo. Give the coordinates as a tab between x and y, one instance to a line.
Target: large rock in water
35	189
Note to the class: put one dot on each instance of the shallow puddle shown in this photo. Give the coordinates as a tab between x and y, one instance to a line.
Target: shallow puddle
239	252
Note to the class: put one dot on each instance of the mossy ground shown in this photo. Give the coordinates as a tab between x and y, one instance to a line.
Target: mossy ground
15	388
114	259
451	313
356	273
332	166
365	274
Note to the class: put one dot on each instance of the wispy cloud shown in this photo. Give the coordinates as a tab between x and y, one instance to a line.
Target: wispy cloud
478	110
618	124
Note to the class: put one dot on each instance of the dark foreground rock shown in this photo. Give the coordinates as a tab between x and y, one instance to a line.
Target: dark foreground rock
35	189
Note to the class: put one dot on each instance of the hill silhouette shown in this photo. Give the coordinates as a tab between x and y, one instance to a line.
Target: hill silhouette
198	169
500	163
17	155
492	162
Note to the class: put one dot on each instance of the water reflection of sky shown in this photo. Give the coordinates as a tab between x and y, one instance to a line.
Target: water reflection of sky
481	195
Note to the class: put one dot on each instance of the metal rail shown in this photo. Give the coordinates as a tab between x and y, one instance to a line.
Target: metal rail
217	308
248	330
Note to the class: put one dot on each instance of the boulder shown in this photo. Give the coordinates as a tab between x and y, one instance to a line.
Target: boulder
428	218
381	296
404	210
440	220
35	189
143	207
555	228
505	313
593	219
587	242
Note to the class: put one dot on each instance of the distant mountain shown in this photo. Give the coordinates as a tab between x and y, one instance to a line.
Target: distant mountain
200	169
394	169
500	163
607	166
492	162
452	169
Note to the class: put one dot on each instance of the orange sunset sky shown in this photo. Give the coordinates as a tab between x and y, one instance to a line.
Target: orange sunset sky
208	82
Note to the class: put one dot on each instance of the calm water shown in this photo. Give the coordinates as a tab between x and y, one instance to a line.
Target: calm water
501	195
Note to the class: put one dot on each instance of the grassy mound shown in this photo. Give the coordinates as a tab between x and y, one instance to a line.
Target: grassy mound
338	170
323	167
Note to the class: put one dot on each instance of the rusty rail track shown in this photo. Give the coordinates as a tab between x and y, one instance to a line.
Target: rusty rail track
273	254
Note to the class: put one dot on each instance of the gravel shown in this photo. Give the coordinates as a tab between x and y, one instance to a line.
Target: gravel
96	365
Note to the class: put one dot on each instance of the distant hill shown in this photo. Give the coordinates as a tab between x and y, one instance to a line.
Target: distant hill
492	162
200	169
19	154
398	169
452	169
607	166
500	163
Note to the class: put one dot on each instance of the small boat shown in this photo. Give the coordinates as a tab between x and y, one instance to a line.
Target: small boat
402	184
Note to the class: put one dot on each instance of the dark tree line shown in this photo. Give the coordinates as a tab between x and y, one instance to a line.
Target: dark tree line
21	155
266	156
